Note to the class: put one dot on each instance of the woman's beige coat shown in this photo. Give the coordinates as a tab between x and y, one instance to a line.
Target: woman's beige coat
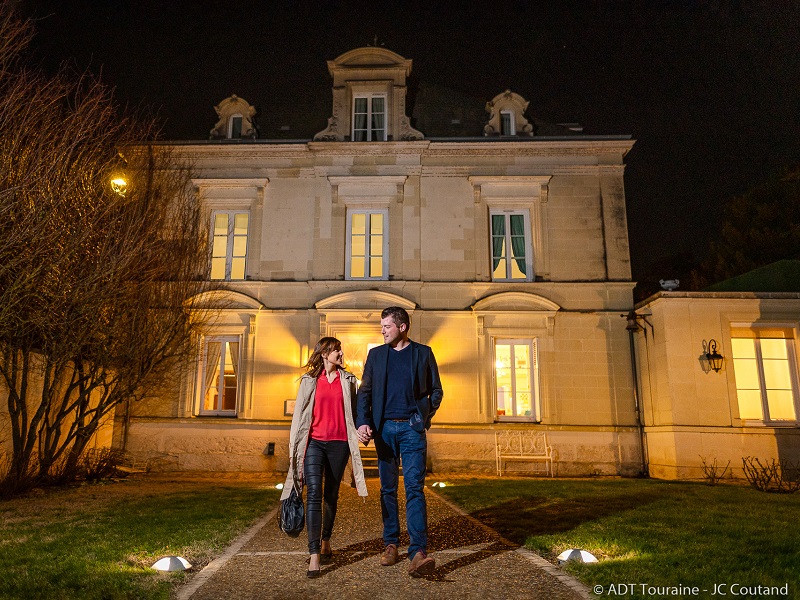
301	423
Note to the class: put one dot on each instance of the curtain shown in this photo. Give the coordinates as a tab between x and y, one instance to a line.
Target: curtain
378	119
518	241
498	237
213	353
234	349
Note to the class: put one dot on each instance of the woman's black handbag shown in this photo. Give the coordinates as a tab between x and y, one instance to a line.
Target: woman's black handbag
292	515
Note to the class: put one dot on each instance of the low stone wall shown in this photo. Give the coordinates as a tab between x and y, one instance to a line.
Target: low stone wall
678	452
222	445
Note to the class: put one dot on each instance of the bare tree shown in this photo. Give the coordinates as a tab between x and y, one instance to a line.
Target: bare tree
96	285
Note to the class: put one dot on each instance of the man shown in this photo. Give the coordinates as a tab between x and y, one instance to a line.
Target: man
399	393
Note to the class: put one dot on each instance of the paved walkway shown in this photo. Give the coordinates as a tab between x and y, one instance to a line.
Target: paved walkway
472	561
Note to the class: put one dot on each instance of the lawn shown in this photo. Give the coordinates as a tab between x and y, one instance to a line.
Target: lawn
646	531
97	541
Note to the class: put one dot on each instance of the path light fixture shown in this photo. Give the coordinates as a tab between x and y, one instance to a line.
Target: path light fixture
713	357
172	563
439	484
576	555
278	486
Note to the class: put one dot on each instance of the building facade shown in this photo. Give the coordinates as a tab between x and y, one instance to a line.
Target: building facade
508	246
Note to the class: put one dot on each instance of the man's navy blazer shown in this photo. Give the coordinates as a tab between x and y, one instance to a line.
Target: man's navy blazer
372	393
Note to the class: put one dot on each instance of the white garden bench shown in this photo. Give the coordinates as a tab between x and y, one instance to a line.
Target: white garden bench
528	446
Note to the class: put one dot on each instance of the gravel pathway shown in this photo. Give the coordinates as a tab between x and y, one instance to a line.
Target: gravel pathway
472	561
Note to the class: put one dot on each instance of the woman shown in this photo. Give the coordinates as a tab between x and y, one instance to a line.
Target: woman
323	436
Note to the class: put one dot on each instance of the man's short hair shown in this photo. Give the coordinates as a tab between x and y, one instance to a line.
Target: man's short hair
399	316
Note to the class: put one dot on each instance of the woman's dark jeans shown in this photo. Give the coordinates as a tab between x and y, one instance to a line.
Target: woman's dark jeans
329	458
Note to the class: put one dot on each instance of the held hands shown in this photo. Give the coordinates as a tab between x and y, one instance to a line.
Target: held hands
364	434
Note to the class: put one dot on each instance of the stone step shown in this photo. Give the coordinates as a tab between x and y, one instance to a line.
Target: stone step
369	460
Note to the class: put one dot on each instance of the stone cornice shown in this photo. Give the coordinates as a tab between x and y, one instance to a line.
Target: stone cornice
532	147
367	148
232	182
666	296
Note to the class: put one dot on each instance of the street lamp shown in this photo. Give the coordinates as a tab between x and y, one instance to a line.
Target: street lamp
119	185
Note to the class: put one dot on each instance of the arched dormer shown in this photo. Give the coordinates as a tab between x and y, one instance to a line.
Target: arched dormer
507	116
235	120
369	97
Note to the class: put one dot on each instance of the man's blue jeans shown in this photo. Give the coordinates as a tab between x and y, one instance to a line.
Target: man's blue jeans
398	441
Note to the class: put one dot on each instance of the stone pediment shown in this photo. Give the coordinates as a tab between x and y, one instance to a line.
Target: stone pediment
515	301
372	56
364	300
225	300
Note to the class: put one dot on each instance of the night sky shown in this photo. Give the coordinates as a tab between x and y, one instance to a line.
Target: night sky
709	89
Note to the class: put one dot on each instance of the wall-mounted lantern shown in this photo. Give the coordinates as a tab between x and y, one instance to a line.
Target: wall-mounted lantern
713	357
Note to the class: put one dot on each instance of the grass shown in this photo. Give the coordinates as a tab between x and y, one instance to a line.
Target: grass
646	531
98	541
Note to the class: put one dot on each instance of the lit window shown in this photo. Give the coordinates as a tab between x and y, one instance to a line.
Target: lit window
765	368
369	118
368	245
516	377
511	257
507	123
220	375
229	247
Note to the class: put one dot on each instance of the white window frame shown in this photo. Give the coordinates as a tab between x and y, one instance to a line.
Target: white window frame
507	213
536	408
512	122
202	369
230	125
369	97
385	246
791	359
230	242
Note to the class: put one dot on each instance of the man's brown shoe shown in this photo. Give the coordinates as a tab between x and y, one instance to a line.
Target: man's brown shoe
389	556
421	565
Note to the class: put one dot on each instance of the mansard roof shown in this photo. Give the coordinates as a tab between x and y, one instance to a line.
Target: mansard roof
426	110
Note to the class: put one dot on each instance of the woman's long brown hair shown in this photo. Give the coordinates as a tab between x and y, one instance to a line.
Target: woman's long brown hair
324	346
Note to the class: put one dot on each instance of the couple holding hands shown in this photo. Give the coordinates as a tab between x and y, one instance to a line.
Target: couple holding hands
399	393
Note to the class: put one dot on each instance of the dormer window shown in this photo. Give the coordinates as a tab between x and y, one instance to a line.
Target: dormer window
235	120
507	115
235	127
507	123
369	118
369	98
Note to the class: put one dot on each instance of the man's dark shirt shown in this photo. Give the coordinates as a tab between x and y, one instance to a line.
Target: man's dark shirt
399	393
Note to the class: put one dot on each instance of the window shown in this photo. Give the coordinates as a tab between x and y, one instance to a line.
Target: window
220	376
235	127
507	123
229	247
369	118
516	374
368	245
765	368
511	257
